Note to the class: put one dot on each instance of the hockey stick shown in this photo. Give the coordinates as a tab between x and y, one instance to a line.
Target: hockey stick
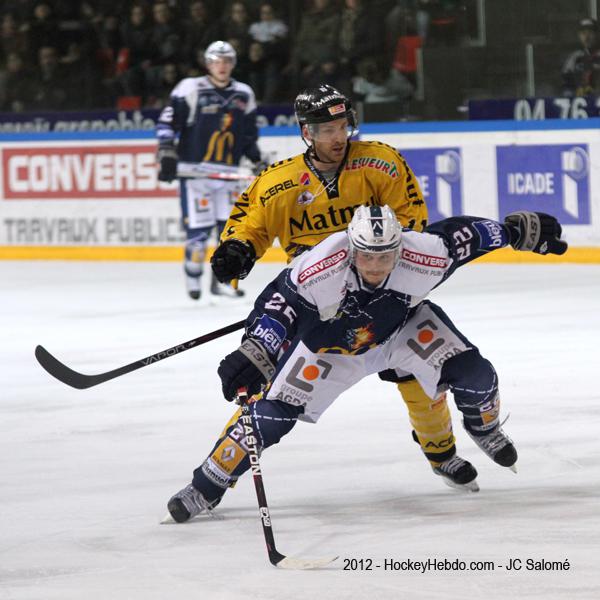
277	559
202	171
80	381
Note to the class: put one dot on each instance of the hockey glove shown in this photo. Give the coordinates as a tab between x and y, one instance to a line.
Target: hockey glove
249	366
259	167
233	259
535	232
167	157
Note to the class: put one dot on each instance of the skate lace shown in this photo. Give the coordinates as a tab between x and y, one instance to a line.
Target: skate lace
195	502
452	465
493	442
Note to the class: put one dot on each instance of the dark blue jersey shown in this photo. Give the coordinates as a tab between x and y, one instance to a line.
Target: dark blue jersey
321	299
210	124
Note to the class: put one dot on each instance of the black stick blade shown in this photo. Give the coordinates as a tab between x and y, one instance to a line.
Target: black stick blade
63	373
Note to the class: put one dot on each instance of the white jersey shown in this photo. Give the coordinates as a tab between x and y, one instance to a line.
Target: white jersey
327	329
325	276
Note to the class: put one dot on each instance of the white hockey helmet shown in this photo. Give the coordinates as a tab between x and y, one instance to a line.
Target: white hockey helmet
220	49
374	229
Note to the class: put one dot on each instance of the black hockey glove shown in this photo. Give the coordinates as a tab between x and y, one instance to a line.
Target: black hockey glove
167	157
535	232
233	259
249	366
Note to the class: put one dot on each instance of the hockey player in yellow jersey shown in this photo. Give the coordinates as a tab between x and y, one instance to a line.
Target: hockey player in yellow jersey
304	199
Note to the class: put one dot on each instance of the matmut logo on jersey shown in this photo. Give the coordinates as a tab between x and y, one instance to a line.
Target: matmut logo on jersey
439	171
323	264
80	172
553	179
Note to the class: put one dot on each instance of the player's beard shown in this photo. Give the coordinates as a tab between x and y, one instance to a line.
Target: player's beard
330	157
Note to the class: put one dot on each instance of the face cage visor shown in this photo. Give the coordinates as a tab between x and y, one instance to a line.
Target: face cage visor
319	132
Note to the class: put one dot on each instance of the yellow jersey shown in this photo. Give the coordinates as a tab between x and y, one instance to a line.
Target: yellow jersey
292	201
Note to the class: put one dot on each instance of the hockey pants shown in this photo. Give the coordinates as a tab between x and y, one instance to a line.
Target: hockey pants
470	377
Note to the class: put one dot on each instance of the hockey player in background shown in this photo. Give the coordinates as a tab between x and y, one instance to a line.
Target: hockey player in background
352	306
209	120
306	198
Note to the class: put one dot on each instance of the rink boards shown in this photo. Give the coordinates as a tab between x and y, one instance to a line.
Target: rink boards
96	196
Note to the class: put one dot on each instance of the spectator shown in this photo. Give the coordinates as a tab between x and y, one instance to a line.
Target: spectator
11	38
408	17
83	77
361	38
109	35
269	30
581	71
199	31
166	36
42	30
51	86
242	64
267	53
375	83
137	54
16	85
135	36
235	24
20	9
160	81
316	38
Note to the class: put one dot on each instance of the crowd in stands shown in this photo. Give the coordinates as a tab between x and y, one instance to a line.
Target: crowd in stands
66	55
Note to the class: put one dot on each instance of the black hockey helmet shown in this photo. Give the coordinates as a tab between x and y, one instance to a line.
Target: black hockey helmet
322	104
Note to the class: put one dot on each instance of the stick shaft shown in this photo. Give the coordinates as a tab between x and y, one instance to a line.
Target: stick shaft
81	381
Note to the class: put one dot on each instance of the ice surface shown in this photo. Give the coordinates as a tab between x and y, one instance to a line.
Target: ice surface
85	475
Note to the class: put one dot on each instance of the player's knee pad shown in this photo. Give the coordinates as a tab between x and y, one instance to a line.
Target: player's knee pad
474	384
431	421
271	420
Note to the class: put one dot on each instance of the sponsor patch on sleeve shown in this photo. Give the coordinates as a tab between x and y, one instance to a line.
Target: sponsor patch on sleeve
323	264
491	233
270	332
425	260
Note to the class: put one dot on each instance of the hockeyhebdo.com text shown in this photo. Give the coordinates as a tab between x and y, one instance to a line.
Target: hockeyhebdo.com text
432	565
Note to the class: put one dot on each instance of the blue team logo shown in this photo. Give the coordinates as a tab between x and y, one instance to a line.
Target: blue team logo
270	332
439	171
551	178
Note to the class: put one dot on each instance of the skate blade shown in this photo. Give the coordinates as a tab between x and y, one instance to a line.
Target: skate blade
289	562
169	520
472	486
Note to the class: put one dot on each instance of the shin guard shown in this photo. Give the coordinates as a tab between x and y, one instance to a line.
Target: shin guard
431	421
228	459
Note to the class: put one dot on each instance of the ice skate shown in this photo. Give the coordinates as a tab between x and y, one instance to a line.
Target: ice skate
224	289
188	503
193	287
457	473
498	446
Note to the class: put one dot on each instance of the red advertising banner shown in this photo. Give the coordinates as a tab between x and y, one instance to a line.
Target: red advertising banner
77	172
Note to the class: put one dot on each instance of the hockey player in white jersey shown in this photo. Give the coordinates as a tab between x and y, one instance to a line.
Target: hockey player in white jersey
210	121
352	306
